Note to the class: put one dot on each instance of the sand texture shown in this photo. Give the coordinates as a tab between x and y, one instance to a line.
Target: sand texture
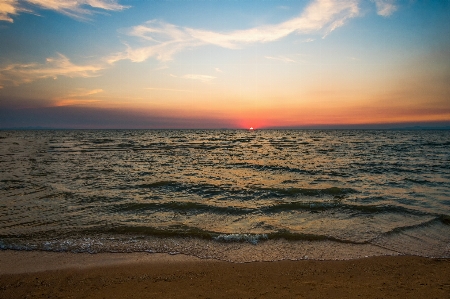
141	275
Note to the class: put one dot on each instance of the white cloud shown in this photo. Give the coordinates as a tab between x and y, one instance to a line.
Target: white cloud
218	70
77	9
385	8
203	78
325	15
16	74
163	40
281	58
8	8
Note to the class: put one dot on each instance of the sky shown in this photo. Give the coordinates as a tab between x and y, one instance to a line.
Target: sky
224	63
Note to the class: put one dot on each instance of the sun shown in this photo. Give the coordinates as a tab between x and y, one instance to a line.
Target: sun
251	129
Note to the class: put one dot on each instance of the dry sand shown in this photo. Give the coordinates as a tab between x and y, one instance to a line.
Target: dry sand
141	275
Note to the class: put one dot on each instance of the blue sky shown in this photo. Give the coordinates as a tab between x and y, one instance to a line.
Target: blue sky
214	64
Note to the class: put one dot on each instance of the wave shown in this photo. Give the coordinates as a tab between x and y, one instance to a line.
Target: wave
106	145
179	230
436	144
311	206
156	184
334	191
173	231
443	220
205	188
429	238
186	207
288	169
250	238
136	233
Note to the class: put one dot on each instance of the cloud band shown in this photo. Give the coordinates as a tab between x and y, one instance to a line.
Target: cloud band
164	40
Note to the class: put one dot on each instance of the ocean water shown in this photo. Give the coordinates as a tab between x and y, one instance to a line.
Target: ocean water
233	195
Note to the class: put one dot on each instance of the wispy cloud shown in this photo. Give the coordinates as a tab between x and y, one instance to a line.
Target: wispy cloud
84	93
168	89
203	78
218	70
161	67
78	97
17	74
77	9
281	58
163	40
385	8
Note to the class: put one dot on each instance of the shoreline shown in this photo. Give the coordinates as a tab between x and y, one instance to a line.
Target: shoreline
150	275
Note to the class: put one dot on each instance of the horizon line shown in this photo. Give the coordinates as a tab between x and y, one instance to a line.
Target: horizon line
395	126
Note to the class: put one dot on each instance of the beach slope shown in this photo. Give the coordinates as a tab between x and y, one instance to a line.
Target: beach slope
141	275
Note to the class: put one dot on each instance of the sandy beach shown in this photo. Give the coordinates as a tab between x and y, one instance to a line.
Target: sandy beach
142	275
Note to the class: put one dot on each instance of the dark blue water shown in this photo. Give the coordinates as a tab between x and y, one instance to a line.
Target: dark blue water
232	194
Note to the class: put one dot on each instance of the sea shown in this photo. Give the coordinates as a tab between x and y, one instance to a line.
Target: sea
232	195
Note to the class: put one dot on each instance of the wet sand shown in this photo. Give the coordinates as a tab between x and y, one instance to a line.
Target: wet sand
141	275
